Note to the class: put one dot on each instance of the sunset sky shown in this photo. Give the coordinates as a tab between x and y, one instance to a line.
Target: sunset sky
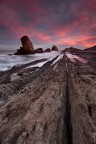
64	23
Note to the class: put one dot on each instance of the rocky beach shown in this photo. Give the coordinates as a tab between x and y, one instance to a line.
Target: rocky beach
51	100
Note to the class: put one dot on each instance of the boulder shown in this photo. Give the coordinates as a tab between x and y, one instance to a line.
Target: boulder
54	48
47	50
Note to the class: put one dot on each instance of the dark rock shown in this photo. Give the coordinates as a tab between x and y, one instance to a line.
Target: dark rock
27	46
39	50
72	50
54	48
20	51
26	43
10	54
47	50
91	49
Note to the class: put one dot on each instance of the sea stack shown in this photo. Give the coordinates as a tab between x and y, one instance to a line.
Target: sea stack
54	48
27	46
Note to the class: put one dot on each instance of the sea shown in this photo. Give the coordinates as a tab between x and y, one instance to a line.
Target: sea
8	61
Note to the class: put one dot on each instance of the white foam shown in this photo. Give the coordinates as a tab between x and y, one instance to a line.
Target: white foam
7	61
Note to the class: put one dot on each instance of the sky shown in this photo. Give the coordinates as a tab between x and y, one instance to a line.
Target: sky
64	23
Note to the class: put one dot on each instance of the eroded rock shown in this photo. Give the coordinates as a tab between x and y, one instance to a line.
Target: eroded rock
27	46
56	105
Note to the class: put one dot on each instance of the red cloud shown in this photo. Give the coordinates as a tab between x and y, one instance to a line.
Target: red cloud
77	31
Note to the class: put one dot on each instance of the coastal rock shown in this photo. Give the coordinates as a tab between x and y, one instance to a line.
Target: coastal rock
54	105
72	50
27	46
91	49
39	50
47	50
54	48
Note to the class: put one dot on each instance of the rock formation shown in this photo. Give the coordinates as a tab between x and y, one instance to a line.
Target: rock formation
39	50
54	105
72	50
91	49
54	48
27	46
47	50
26	43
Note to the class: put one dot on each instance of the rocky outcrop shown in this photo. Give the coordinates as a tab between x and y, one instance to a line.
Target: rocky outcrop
91	49
73	50
47	50
54	105
26	43
39	50
27	46
54	48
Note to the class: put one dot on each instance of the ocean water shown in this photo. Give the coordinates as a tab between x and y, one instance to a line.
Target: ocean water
8	61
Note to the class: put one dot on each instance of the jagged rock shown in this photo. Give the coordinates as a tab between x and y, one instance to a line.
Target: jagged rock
27	46
47	50
54	48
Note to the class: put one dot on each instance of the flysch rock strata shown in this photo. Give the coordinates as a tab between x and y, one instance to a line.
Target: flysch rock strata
54	105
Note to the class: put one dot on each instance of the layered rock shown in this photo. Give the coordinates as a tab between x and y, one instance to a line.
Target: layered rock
54	105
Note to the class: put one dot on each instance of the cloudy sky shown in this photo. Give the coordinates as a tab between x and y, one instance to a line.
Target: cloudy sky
64	23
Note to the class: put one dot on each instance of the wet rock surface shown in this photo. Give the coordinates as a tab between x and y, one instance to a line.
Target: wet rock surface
55	104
